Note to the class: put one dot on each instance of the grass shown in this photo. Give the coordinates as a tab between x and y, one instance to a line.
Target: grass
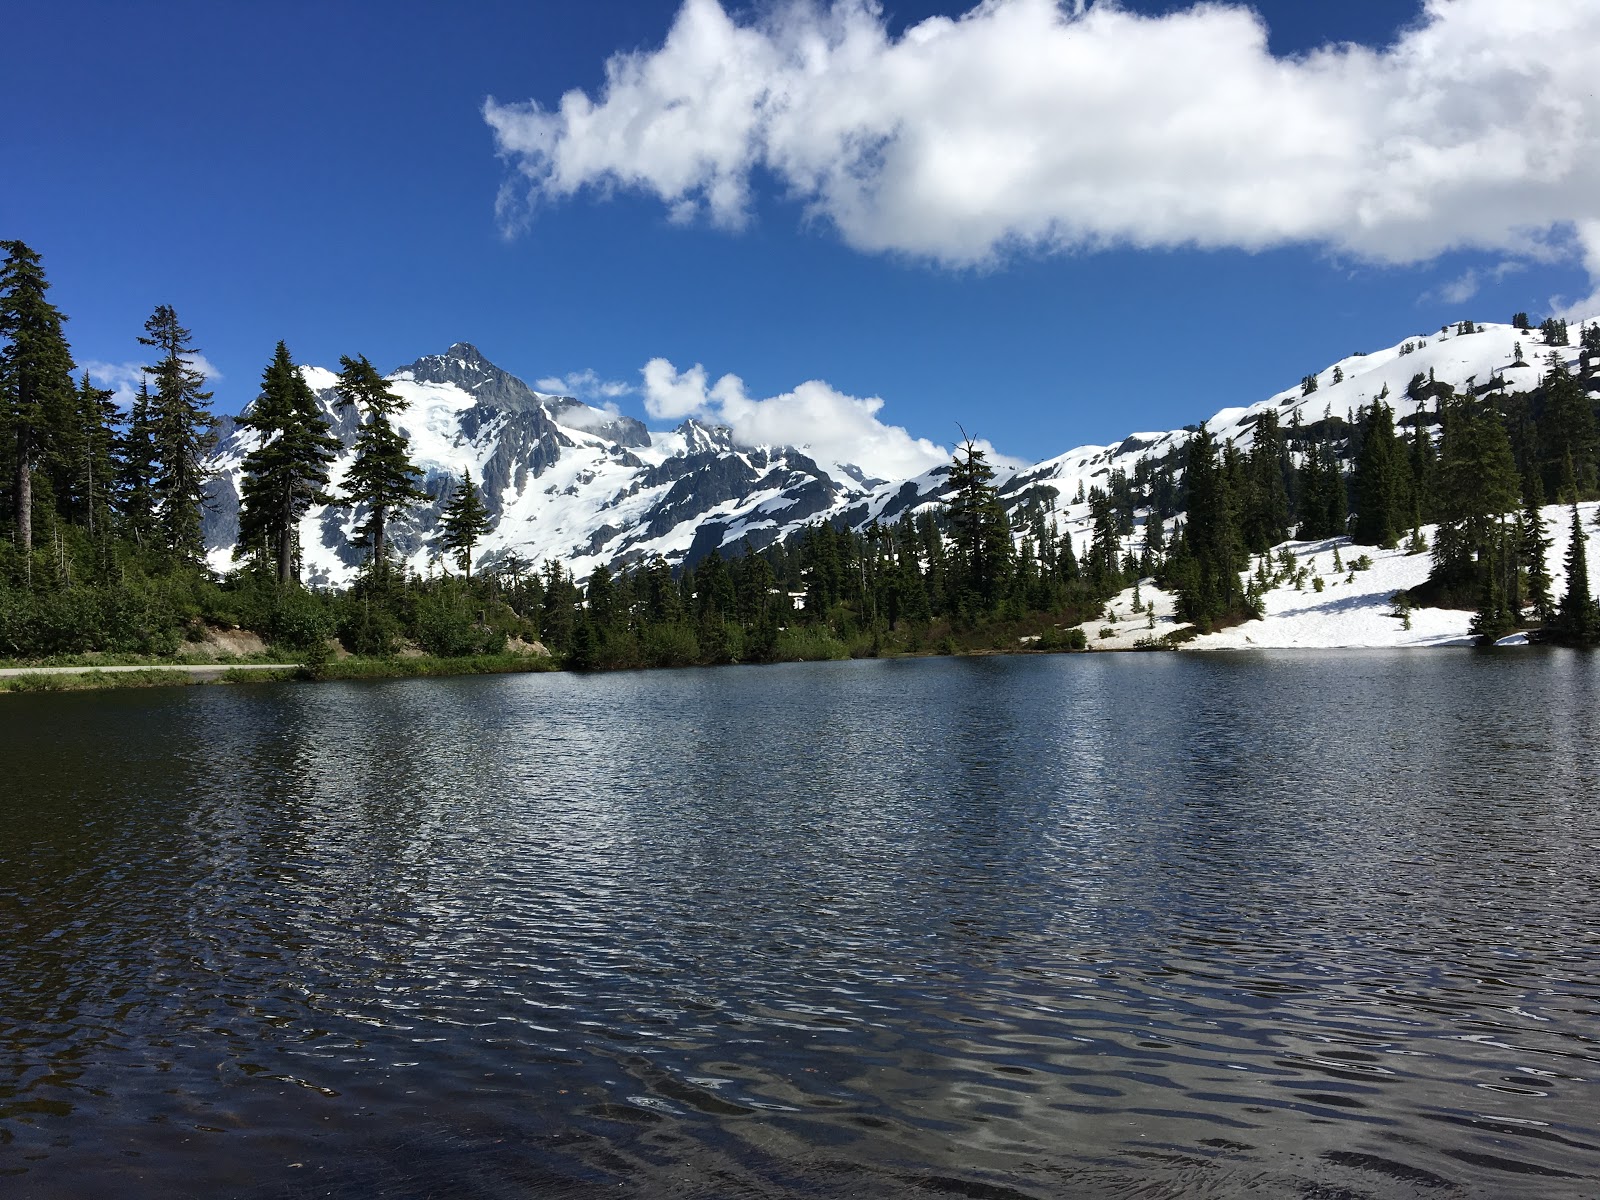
94	680
166	675
422	667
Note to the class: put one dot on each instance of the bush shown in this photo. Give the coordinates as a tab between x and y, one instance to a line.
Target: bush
298	621
444	627
670	646
369	628
810	643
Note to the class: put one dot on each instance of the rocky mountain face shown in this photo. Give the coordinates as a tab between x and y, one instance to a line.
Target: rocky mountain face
566	481
561	479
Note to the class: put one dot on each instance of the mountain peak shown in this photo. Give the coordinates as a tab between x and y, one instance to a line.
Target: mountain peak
464	366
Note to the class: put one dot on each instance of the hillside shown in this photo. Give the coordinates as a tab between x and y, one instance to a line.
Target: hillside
564	480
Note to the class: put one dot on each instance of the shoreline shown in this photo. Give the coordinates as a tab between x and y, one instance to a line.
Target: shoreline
34	679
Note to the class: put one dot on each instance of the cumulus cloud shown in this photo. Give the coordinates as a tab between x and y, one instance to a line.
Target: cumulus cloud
1036	126
814	417
124	377
586	385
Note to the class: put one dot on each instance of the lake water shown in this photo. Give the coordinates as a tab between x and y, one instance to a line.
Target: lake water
1321	926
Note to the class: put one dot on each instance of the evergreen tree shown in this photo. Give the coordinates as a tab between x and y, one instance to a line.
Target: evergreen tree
383	478
35	378
1533	544
1212	556
135	465
1568	433
1423	463
1101	565
1477	484
1578	622
1554	331
464	522
180	436
83	462
1494	617
1378	479
980	529
1265	520
287	472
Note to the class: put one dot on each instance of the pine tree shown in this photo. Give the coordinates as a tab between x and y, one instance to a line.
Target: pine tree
980	529
85	459
383	478
1265	520
1569	439
35	378
287	472
1101	563
1209	584
180	436
464	522
1533	544
1578	622
1477	483
1378	479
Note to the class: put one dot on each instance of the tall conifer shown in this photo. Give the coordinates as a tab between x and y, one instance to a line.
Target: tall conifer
463	524
287	472
1578	622
35	377
180	435
383	478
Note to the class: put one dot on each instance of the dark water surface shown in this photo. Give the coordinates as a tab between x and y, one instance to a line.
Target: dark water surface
1321	926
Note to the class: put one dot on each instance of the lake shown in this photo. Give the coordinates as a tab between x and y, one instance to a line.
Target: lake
1312	925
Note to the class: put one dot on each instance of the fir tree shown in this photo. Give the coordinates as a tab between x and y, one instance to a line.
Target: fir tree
1568	433
464	522
981	532
1477	483
1265	519
1578	622
84	461
35	377
1533	544
287	472
383	478
1378	480
1209	585
136	458
180	436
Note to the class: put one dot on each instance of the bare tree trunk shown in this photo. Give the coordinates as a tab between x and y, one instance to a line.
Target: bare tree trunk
285	541
380	560
23	494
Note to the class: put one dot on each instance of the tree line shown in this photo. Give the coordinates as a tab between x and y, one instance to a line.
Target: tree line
103	546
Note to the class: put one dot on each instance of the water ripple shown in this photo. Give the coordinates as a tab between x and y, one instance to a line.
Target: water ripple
1147	926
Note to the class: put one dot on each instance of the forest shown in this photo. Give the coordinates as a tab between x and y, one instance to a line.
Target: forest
101	549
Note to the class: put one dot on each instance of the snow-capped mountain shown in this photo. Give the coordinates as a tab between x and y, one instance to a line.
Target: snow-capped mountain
563	480
560	478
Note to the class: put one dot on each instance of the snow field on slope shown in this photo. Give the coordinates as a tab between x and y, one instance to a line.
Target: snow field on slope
1357	614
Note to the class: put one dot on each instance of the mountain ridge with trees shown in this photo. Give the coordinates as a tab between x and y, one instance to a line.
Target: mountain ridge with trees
337	505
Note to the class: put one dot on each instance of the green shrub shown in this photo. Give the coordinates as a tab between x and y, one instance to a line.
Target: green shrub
810	643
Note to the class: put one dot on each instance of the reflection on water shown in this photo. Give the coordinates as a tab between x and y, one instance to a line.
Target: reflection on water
1090	926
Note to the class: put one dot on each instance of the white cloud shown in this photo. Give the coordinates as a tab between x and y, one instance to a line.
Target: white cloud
1030	125
814	417
123	378
670	395
586	385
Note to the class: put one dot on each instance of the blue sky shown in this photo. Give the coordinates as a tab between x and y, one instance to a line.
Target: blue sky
325	174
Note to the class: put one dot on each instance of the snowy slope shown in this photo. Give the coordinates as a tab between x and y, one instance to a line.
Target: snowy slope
567	481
